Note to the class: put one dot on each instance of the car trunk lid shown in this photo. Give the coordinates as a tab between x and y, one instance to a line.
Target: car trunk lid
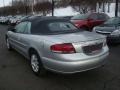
86	42
82	36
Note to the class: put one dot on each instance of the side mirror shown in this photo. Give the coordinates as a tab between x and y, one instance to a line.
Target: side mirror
11	29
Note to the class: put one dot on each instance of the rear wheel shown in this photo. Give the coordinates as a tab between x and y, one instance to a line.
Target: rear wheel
36	64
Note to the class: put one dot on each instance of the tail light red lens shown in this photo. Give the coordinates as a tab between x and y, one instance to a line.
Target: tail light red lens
66	48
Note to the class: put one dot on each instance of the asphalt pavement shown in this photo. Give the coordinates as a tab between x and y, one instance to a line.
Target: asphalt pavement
16	74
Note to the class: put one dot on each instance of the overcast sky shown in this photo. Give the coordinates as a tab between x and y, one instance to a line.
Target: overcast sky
6	2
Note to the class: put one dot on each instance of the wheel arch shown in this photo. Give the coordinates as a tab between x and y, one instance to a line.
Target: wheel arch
6	36
31	50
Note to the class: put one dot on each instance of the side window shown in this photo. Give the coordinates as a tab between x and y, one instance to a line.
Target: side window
103	17
28	28
93	16
20	28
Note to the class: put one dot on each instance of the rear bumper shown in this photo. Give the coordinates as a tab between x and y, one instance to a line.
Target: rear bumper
75	66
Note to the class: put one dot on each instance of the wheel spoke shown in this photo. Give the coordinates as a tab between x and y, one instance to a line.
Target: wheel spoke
34	63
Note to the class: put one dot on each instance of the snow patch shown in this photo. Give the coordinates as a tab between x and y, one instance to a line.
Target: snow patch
68	11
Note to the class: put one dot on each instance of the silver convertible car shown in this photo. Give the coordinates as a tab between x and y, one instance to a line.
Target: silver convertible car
52	43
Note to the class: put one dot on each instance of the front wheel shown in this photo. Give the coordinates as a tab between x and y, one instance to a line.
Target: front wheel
36	64
8	44
86	28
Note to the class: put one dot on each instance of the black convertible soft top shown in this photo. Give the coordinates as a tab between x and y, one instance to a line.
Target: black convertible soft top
44	18
40	23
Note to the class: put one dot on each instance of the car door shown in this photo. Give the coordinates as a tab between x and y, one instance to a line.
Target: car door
101	18
16	35
24	38
93	20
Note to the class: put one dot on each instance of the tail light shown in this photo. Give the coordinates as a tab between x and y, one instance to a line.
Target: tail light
65	48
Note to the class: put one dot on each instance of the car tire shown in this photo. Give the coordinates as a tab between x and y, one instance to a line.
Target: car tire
9	47
36	64
86	28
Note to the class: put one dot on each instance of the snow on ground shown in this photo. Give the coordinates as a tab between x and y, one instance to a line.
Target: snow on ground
69	11
112	10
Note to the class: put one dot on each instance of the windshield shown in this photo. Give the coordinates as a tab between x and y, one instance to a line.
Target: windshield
80	17
113	21
56	27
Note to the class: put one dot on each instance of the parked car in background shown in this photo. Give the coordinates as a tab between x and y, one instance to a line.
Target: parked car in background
1	18
89	20
5	19
14	20
8	19
56	44
67	17
23	18
111	29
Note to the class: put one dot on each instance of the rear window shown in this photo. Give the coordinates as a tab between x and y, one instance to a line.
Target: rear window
103	17
61	26
54	27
